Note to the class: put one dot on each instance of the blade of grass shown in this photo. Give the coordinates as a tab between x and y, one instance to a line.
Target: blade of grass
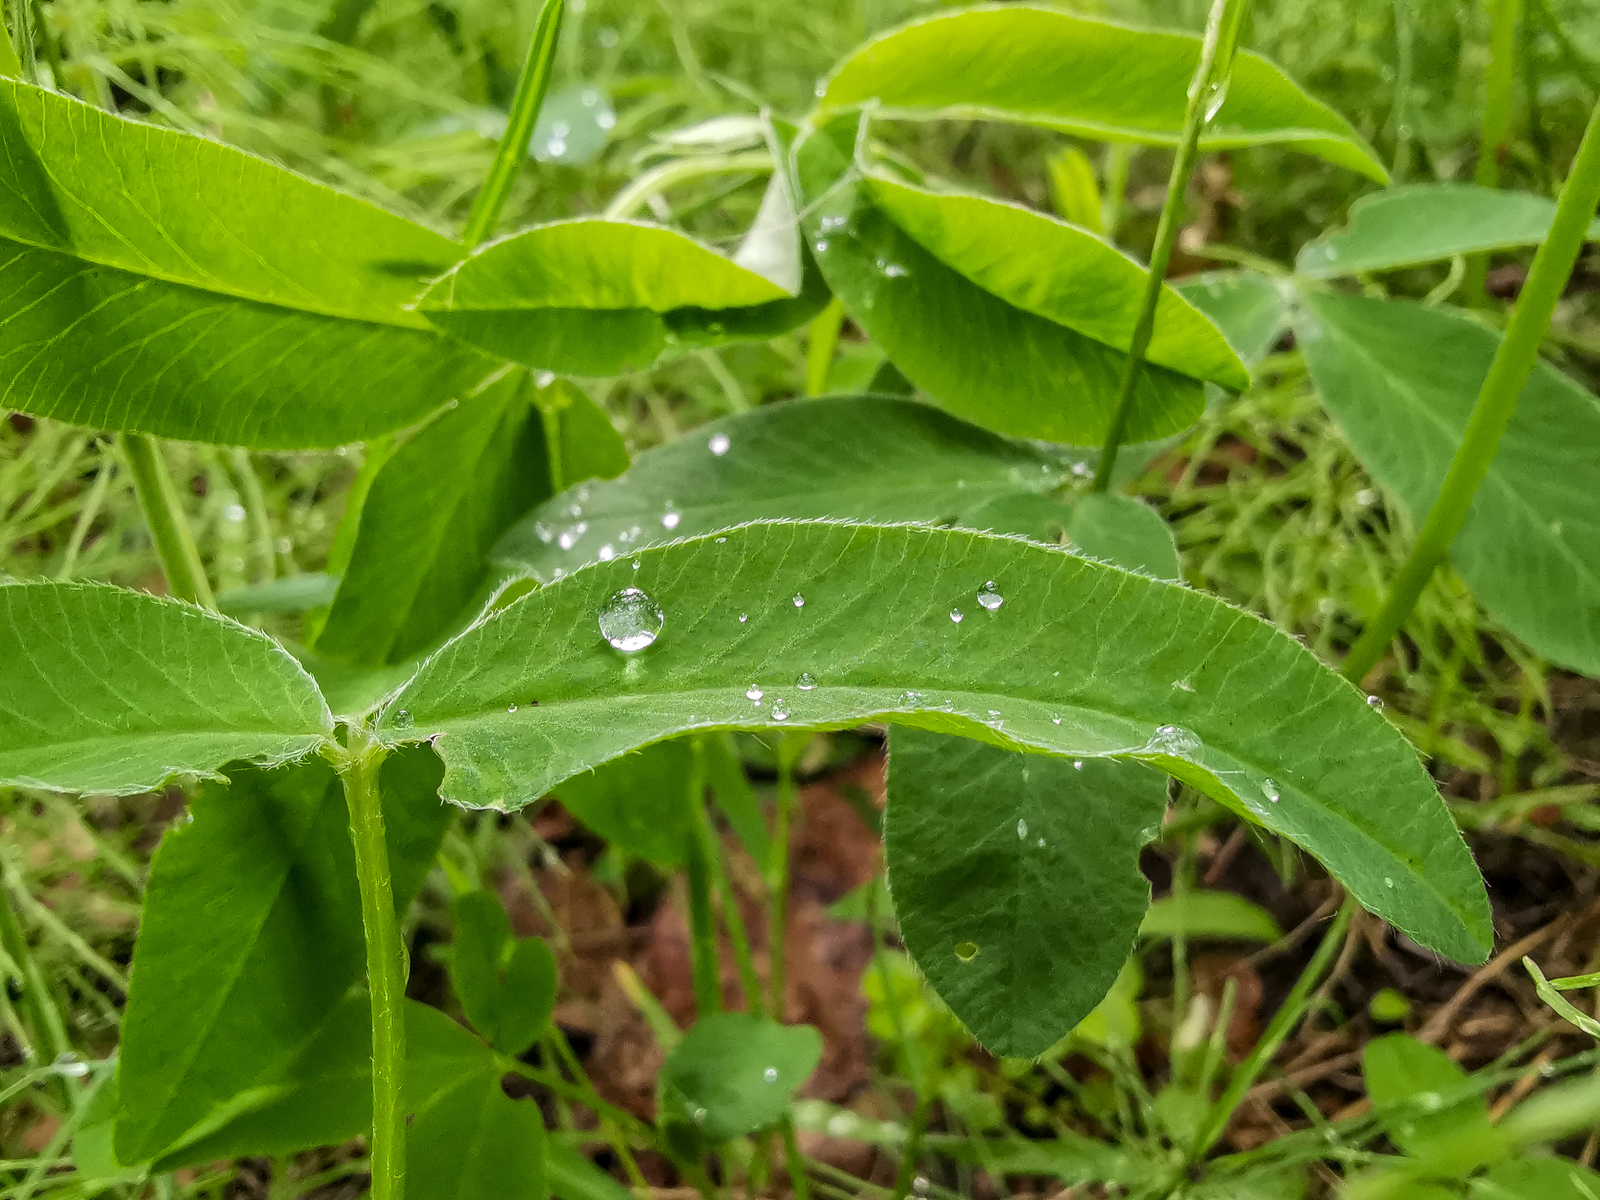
163	513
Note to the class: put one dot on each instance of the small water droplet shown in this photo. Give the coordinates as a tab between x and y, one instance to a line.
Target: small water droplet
1183	685
636	564
1214	100
822	245
957	615
966	951
70	1066
669	520
770	1074
743	617
606	553
511	708
722	541
569	537
403	720
1375	702
574	510
919	1185
1387	882
806	682
780	709
1366	497
719	444
631	620
699	1116
1041	843
234	512
1176	741
799	600
1269	789
1077	764
753	694
1022	827
607	120
994	712
989	596
1055	720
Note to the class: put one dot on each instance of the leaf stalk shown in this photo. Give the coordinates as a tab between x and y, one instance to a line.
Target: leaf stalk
163	513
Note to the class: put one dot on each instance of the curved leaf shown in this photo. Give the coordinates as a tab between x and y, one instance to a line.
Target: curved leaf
1078	660
109	691
734	1073
1401	380
1016	879
1125	531
166	283
988	360
860	458
474	1142
1067	275
1426	222
1041	66
507	987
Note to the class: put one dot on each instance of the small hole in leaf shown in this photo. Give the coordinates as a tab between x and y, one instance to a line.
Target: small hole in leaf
966	951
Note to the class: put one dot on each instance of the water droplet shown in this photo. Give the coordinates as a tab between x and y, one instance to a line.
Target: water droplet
822	245
806	682
1175	740
1022	827
511	708
1387	882
957	615
907	699
799	600
1269	789
70	1066
606	553
1082	470
719	444
636	564
770	1074
780	709
836	221
631	620
753	694
919	1185
1055	720
1183	685
569	537
234	512
1366	497
966	951
820	90
403	720
556	147
670	520
994	712
1077	764
1041	843
1375	702
722	541
743	617
699	1116
989	596
1214	100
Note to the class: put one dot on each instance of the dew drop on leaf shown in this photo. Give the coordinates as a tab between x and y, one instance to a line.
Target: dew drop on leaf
511	708
966	951
799	600
719	444
631	620
770	1074
1183	685
957	615
753	694
743	617
1022	827
1175	740
403	720
989	596
569	537
780	709
806	682
669	520
1077	764
1269	789
1375	702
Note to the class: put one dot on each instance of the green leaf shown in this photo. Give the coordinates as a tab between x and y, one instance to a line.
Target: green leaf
436	507
1039	66
1564	1008
1068	275
1410	1084
506	986
1401	380
1252	310
734	1073
639	802
1125	531
1131	667
1074	191
1207	914
574	1177
1546	1178
1425	222
292	594
591	447
474	1142
113	692
587	296
862	458
251	934
167	283
993	855
945	332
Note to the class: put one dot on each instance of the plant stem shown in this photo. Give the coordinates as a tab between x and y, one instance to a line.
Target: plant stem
1494	138
358	765
789	749
163	513
513	149
49	1032
706	966
1210	80
794	1162
652	183
1497	401
822	339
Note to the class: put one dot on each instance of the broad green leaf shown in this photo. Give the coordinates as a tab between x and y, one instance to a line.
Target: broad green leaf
1401	380
587	296
1125	531
734	1073
639	802
167	283
1544	1178
860	458
590	446
251	934
1079	660
1016	879
574	1177
1208	914
474	1142
1067	275
506	986
1425	222
92	1155
1409	1083
436	507
1252	310
974	352
1041	66
109	691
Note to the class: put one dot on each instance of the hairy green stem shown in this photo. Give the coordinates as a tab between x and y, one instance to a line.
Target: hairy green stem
49	1032
1205	92
707	968
1495	135
163	513
637	194
1497	401
789	749
358	765
513	149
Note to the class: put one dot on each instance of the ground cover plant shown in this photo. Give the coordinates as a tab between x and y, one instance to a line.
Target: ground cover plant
940	550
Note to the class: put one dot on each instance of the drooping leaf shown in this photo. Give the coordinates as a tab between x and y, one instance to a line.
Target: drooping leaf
1209	914
731	789
1016	879
506	986
639	802
473	1142
1414	1089
735	1073
1426	222
1252	310
858	458
1068	275
251	935
110	691
1041	66
167	283
1401	380
974	352
587	296
1138	669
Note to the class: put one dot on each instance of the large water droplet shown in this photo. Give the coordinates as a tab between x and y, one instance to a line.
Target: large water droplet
780	709
966	951
631	620
719	444
989	596
1375	702
806	682
403	720
1270	789
753	694
957	615
1176	741
799	600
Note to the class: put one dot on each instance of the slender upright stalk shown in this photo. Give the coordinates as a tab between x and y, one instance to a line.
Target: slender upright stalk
49	1032
163	513
513	148
704	962
1206	92
821	342
789	749
1495	136
358	765
1497	401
